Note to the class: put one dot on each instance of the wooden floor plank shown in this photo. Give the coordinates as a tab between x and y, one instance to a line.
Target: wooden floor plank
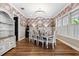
24	48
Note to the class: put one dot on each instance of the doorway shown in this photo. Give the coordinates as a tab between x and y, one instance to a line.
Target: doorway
27	32
16	27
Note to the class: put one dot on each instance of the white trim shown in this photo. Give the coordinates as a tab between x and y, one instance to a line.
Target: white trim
61	10
76	48
6	12
73	10
71	37
67	12
19	39
17	10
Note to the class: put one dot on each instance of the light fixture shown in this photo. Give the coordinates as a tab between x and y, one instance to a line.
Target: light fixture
22	8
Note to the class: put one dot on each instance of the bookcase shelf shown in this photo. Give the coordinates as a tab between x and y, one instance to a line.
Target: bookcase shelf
7	32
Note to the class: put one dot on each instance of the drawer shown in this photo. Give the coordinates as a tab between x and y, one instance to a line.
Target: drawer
11	44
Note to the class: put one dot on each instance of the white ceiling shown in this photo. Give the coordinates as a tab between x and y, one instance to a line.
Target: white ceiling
40	9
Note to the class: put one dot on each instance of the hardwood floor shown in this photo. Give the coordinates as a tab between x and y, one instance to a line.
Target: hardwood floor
24	48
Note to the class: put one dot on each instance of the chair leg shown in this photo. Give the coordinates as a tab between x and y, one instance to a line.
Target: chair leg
37	43
42	44
47	45
53	45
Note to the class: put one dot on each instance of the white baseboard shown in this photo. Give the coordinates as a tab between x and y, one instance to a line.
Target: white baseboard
69	44
21	38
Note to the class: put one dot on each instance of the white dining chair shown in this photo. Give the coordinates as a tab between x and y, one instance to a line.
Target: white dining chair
34	36
30	34
42	37
52	39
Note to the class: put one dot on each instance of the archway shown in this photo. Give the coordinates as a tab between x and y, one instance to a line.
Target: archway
6	25
27	31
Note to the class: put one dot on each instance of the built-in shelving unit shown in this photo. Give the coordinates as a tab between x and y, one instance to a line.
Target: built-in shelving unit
7	34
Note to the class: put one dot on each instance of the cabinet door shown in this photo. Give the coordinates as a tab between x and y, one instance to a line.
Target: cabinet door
12	42
2	49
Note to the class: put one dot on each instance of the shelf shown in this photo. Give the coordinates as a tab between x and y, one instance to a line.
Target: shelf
6	26
6	23
7	33
6	30
7	37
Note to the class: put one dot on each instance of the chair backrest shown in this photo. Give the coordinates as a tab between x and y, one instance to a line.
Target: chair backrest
54	36
30	32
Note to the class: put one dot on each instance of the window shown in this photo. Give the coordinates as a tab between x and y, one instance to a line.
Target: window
75	17
75	22
60	22
65	20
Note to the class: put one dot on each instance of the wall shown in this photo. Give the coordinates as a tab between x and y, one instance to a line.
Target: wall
66	31
21	28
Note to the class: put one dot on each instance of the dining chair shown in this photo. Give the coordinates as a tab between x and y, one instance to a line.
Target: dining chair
52	39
